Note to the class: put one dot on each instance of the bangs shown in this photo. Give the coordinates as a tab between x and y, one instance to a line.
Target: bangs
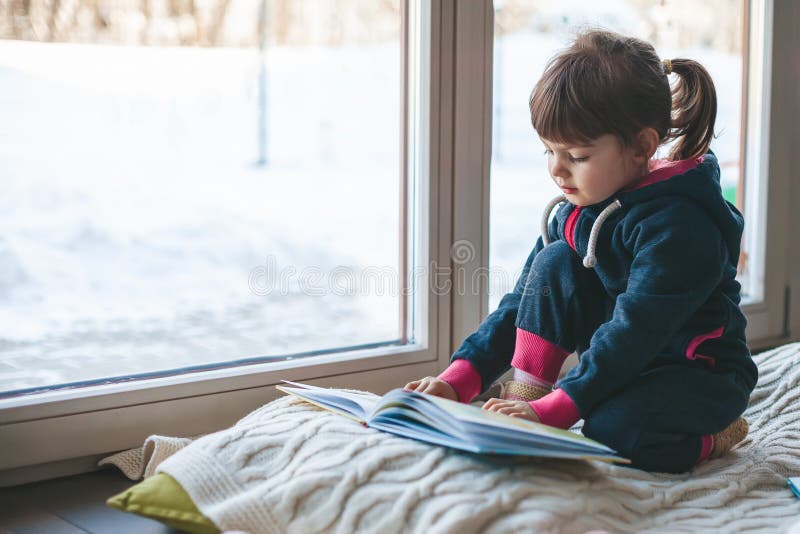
604	83
568	103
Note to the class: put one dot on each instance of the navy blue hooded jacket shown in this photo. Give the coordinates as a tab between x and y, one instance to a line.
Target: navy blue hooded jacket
667	254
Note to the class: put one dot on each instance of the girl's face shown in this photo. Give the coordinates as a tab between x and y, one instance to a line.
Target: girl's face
589	174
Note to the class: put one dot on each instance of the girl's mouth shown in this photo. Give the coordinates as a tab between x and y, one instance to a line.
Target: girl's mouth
569	190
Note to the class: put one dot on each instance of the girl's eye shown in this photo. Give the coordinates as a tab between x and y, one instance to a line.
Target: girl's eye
574	160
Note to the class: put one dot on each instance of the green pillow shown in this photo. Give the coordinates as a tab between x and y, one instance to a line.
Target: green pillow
160	497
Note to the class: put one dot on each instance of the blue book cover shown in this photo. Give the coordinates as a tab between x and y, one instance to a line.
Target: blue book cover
794	485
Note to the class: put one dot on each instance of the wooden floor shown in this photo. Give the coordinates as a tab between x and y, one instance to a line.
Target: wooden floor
71	505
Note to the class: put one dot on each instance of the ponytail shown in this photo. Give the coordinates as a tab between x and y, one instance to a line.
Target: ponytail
694	109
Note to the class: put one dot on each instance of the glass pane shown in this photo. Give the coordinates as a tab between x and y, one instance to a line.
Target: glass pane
527	34
187	183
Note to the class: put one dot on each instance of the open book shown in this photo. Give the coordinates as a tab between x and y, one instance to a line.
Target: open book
452	424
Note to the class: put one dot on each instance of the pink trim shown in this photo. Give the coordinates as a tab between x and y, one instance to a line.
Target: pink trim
570	225
464	379
691	349
537	356
707	443
661	169
556	409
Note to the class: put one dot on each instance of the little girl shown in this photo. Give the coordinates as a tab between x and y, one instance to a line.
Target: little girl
636	271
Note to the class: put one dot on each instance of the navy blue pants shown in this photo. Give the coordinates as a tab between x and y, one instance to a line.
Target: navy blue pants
658	419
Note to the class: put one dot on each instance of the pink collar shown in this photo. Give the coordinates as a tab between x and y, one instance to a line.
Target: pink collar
661	169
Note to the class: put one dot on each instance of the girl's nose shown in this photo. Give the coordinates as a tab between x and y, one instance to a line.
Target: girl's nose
558	170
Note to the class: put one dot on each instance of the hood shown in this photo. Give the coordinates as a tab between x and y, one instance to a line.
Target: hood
696	179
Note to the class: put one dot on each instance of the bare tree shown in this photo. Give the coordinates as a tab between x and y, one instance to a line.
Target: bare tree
217	23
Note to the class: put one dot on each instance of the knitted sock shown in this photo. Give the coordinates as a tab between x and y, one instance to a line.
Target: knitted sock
716	445
726	439
521	391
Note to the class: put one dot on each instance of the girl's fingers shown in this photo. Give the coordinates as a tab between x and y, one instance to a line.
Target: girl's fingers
411	386
494	403
429	388
434	388
504	407
418	385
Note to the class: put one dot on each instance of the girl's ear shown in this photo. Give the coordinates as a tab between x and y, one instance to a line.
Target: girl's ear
648	140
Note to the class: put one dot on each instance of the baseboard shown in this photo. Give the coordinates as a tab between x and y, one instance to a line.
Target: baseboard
47	471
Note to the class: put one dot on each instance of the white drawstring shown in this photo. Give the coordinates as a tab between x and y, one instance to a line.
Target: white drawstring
545	218
591	260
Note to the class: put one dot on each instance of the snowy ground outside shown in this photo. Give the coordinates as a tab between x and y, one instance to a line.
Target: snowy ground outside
133	216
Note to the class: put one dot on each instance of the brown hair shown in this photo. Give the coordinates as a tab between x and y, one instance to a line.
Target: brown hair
606	83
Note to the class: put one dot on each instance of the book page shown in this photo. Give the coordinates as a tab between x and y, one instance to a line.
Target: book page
353	404
474	414
409	423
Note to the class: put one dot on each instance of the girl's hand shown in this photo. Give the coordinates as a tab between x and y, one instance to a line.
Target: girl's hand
513	408
433	386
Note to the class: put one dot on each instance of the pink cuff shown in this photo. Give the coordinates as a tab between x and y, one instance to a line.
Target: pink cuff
464	379
537	356
556	409
706	444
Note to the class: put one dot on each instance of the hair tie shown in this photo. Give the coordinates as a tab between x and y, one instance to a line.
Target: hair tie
667	66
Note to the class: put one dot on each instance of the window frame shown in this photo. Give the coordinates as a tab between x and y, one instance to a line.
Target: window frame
767	164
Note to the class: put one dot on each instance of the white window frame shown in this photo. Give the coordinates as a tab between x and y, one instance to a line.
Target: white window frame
769	142
65	431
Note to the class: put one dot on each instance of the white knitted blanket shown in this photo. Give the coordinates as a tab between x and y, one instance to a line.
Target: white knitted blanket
291	467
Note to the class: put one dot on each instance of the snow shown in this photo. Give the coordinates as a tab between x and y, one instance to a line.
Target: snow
137	231
133	215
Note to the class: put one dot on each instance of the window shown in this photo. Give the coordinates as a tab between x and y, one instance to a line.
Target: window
395	172
194	185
